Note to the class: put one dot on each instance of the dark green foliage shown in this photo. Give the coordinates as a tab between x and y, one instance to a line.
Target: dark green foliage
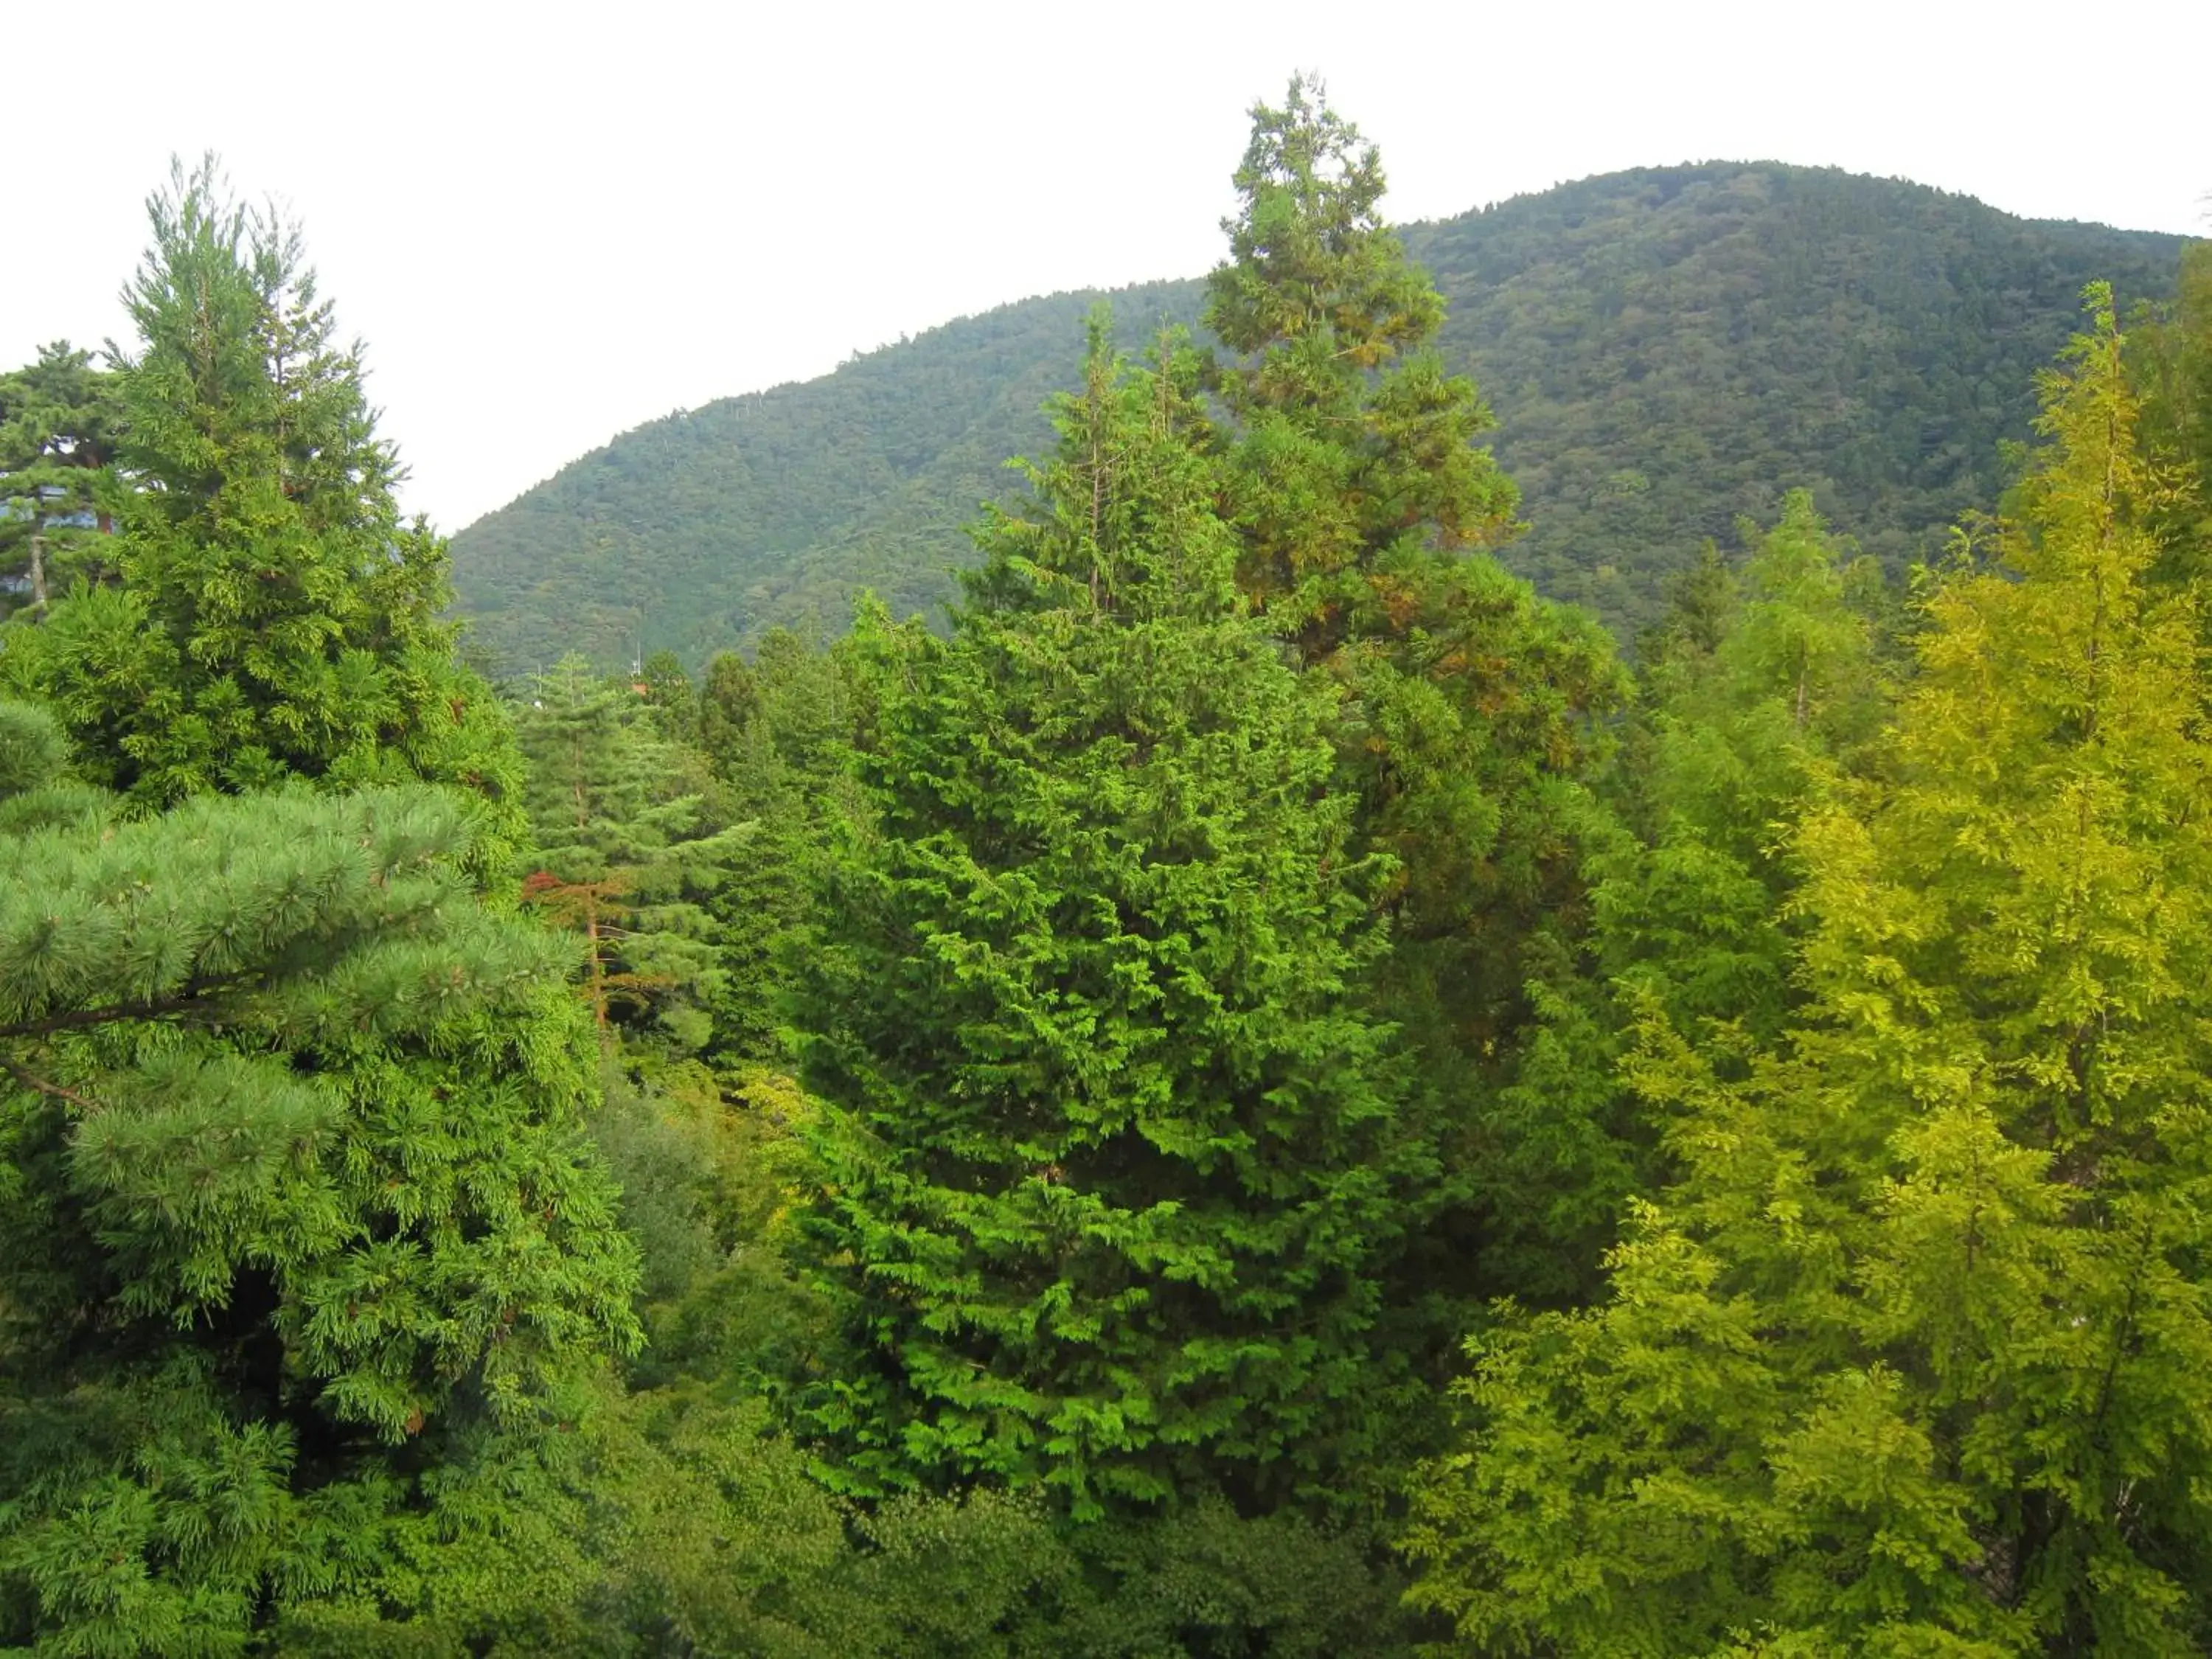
1106	1157
2171	353
1673	349
713	1170
1666	350
729	697
866	477
33	754
668	692
1465	705
275	618
258	1254
1354	454
57	420
994	1576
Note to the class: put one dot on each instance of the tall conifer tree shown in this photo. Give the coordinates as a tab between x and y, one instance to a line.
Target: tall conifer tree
1366	514
1106	1159
276	619
311	1259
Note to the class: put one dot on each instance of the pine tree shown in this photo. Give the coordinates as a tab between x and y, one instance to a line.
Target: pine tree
315	1261
276	619
1909	1359
619	817
1106	1159
775	733
57	442
263	1295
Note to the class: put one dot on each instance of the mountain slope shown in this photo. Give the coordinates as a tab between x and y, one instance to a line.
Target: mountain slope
1666	350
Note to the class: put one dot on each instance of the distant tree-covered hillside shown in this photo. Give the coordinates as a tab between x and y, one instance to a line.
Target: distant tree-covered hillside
1667	350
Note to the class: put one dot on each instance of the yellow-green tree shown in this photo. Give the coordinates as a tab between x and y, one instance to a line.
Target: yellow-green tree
1909	1359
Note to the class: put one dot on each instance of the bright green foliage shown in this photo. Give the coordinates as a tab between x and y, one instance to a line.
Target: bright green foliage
1911	1359
276	619
1106	1162
1761	683
257	1253
57	442
776	733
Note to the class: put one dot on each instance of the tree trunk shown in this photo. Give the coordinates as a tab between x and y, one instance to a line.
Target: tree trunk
598	972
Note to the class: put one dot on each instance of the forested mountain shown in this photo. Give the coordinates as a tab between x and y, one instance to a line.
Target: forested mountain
1666	350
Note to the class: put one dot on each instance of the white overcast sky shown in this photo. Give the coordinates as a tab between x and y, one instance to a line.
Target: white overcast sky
551	224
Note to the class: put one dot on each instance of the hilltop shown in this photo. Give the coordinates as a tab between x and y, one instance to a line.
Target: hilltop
1667	350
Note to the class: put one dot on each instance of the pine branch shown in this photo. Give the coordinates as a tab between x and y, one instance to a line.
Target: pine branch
201	1002
31	1081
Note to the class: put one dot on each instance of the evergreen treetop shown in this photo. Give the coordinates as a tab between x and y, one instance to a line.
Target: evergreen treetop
275	618
1350	470
1353	451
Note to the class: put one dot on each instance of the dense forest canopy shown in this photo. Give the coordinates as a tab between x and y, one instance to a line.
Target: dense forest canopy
1257	1082
1667	350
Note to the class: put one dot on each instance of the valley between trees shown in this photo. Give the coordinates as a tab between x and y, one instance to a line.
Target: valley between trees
1263	1085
